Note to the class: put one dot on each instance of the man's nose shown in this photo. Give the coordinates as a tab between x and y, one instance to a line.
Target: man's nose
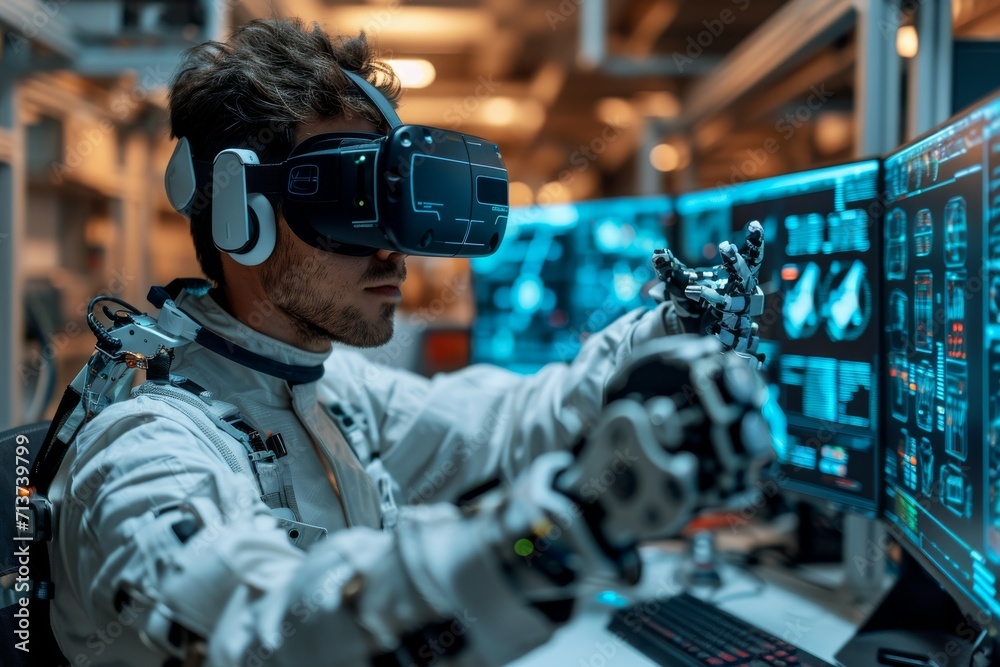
390	256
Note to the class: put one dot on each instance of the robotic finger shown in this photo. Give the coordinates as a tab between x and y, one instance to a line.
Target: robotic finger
724	297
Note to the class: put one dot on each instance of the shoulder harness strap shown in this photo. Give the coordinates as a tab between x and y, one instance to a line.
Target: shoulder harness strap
264	453
351	422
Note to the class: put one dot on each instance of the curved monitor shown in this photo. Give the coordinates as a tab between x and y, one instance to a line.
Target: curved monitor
942	340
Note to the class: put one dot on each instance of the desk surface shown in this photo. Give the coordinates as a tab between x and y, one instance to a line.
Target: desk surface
815	619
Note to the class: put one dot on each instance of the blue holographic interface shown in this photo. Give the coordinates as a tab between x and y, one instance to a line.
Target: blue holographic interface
820	328
942	339
562	273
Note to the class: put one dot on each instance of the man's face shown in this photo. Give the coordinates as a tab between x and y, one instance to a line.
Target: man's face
331	296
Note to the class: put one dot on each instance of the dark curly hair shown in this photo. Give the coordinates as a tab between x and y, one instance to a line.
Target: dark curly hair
256	89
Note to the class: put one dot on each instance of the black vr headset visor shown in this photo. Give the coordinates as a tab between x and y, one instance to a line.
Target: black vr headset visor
417	190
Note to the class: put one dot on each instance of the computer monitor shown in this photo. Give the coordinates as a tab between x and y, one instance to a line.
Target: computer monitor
942	341
820	329
562	273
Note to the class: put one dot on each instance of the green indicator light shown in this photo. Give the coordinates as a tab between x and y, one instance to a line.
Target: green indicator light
523	547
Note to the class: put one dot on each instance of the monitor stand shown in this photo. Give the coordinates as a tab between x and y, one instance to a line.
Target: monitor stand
917	624
864	557
819	536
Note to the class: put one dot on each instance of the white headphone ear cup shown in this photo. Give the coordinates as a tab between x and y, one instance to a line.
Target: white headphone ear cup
266	231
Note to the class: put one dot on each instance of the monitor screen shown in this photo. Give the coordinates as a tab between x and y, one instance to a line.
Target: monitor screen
562	273
942	341
820	328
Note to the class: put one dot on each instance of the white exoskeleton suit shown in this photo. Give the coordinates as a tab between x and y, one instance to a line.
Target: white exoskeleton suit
174	545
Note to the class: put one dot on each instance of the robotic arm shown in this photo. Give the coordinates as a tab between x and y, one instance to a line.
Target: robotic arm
725	297
683	430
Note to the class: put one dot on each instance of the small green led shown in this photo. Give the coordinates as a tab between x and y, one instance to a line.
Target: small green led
524	547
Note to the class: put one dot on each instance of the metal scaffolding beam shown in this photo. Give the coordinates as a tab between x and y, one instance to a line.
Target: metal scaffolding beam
796	31
930	90
32	21
877	78
12	203
593	51
6	145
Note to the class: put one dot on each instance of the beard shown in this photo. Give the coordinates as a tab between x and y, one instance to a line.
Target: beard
301	289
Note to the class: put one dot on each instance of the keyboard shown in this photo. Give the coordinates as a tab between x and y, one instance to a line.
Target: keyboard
684	631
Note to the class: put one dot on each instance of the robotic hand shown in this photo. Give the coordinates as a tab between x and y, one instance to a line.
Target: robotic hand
725	298
682	430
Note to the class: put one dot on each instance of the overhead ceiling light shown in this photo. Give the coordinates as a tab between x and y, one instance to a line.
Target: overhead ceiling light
683	150
664	157
413	72
416	29
906	41
834	132
615	111
659	104
499	111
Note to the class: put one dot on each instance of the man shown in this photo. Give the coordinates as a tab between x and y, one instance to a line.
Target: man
167	551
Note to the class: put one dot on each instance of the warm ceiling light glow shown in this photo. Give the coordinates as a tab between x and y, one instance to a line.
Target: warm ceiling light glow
664	157
500	110
528	115
834	132
683	147
659	104
531	115
906	41
520	194
615	111
553	192
413	72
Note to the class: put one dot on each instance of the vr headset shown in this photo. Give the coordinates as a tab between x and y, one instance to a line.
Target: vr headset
416	190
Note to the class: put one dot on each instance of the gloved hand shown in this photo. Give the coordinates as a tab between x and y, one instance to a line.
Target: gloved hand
720	300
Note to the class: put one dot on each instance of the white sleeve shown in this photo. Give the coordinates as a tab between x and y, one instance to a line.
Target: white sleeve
442	436
153	522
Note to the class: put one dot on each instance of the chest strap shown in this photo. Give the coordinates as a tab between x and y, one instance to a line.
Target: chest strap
264	453
352	423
